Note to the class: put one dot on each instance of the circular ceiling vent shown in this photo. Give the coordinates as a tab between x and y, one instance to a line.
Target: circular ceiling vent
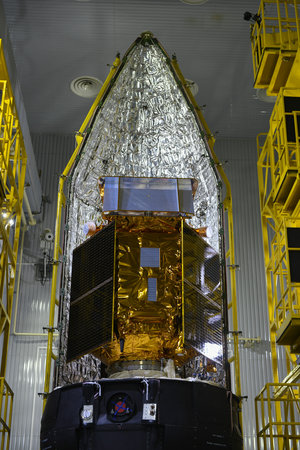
86	86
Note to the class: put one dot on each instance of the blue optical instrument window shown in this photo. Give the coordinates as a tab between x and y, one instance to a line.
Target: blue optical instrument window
152	289
149	257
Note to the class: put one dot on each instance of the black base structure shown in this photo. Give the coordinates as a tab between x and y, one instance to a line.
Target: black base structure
141	414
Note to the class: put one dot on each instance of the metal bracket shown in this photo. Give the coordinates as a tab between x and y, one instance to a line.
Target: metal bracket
54	261
87	414
51	329
221	163
247	342
146	382
43	394
233	266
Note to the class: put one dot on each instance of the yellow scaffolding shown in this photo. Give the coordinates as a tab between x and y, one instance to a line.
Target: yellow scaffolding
279	158
286	429
279	189
275	38
12	180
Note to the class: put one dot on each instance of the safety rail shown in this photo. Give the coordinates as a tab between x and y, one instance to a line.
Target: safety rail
275	35
275	430
264	168
6	407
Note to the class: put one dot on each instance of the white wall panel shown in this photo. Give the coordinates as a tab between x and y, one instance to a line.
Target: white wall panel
26	364
255	362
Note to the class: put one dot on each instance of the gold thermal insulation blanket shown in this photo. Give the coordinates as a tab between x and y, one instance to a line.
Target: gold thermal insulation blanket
151	329
172	323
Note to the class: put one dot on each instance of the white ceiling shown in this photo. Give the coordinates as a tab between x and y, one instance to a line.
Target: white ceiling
55	41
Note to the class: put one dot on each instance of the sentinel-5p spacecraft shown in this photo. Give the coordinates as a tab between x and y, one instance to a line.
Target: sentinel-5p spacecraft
142	284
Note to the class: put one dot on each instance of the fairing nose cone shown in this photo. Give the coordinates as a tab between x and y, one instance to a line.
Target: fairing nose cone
146	126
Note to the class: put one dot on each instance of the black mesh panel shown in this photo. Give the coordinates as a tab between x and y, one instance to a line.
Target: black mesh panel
91	308
202	296
90	322
93	262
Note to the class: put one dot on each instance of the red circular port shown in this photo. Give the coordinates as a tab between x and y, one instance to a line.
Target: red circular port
120	407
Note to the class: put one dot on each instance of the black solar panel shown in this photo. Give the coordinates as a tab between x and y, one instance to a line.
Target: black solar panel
93	262
91	308
90	322
202	295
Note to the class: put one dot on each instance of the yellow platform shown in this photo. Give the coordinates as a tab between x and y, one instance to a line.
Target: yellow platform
274	70
286	187
289	332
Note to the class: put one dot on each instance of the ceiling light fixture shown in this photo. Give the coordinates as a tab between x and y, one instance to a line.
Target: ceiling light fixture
86	86
194	2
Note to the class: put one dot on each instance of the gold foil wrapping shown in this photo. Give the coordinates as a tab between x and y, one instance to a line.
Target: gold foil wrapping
150	329
146	347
